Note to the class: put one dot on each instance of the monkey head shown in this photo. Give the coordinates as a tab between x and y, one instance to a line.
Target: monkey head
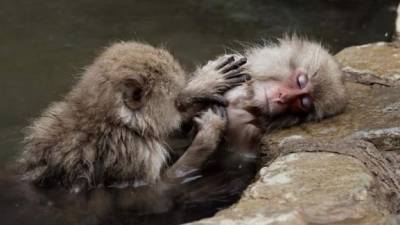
134	85
294	80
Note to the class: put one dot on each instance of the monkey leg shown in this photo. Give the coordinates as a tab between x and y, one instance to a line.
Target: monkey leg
212	124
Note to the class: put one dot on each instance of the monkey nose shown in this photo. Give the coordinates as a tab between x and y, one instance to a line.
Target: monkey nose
288	95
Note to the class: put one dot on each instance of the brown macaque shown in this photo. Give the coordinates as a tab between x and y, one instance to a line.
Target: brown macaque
113	125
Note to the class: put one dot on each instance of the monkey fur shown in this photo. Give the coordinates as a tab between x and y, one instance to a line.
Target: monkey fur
112	126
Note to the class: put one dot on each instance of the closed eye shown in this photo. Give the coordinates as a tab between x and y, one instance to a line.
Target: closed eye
302	80
306	102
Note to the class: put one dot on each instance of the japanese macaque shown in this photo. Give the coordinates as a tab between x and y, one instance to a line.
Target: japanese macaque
292	81
113	125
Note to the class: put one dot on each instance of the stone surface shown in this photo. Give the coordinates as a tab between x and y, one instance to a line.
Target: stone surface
322	173
377	63
308	188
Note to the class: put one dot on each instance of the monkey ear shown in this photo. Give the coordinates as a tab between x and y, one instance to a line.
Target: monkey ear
133	93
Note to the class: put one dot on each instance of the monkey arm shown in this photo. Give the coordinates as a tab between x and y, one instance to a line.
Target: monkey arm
211	127
210	82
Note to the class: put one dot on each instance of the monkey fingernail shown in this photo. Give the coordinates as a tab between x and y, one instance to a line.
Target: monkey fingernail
220	100
235	65
244	77
234	73
225	62
242	61
213	99
239	80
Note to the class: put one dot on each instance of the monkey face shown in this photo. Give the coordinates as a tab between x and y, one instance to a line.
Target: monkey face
136	85
293	81
147	106
273	97
299	78
278	97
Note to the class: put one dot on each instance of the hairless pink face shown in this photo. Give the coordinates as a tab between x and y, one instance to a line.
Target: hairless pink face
291	95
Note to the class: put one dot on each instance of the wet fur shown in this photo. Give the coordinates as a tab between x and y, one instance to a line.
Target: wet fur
90	134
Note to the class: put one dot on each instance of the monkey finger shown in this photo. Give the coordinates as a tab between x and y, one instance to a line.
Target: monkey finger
233	73
213	99
225	62
220	111
197	120
234	65
236	81
217	109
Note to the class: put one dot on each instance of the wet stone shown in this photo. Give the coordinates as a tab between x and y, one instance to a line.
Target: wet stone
386	139
308	188
377	63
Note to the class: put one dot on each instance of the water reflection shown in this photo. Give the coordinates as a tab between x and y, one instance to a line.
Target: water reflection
218	187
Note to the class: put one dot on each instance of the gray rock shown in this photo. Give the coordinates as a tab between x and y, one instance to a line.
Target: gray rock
308	188
377	63
385	139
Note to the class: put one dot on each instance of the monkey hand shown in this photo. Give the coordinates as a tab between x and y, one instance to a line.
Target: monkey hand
212	124
211	81
225	72
222	74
